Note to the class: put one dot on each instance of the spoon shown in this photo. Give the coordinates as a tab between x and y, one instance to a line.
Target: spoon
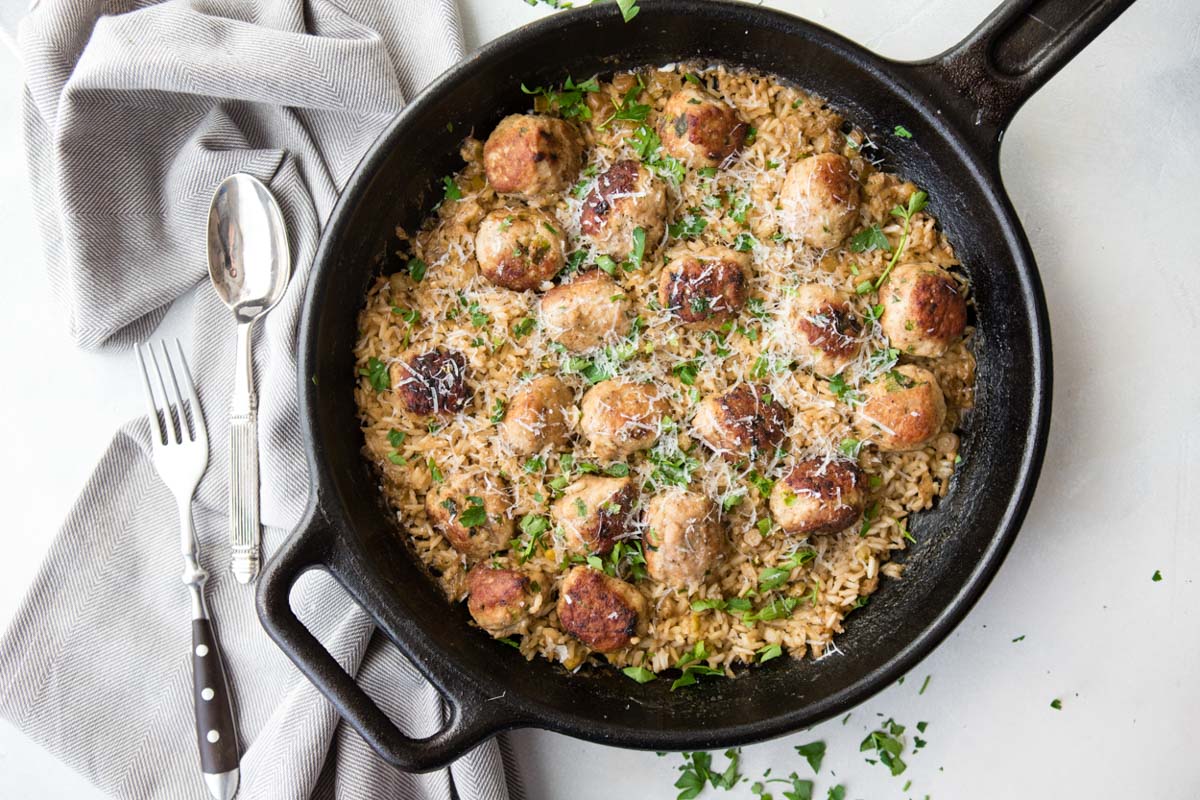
249	263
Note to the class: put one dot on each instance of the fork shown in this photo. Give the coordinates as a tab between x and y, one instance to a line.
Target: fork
181	456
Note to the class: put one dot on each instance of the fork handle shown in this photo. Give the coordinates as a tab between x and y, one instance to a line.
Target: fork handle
245	531
216	734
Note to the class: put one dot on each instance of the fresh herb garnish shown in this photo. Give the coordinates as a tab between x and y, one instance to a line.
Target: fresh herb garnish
768	652
689	226
772	578
523	326
870	239
1056	704
687	372
691	663
639	674
1157	576
416	269
475	515
498	411
569	100
902	132
698	771
888	746
813	752
377	374
450	190
916	202
629	9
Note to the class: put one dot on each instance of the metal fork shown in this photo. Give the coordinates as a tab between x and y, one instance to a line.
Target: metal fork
181	456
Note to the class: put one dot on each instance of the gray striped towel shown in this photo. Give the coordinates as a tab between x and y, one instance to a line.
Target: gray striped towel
134	111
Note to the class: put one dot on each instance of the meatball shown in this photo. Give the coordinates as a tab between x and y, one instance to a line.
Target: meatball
818	496
744	422
700	129
602	612
903	409
924	311
537	416
433	382
594	512
472	512
705	290
825	327
586	312
531	155
622	417
683	538
502	601
519	249
820	198
626	197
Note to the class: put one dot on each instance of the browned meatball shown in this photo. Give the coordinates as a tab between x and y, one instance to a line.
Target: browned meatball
626	197
594	512
903	409
519	249
433	382
707	289
529	154
818	496
621	417
586	313
745	422
602	612
924	311
820	198
502	601
472	512
700	129
825	326
537	416
683	537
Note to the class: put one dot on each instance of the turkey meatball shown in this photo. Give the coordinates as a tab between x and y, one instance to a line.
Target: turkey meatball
626	197
622	417
705	290
826	330
903	409
602	612
472	512
502	601
586	313
433	382
820	198
700	129
537	416
530	155
683	538
818	496
594	512
924	311
519	249
742	423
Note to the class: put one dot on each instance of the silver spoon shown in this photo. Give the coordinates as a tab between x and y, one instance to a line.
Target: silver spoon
249	263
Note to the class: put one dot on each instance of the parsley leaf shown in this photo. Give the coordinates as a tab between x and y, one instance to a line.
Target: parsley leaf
377	374
416	269
498	411
639	674
870	239
475	515
450	190
1056	704
813	752
902	132
629	9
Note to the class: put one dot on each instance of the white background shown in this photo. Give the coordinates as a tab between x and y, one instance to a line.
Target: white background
1103	169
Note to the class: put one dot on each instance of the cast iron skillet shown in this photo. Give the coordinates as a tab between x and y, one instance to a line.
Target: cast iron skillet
956	106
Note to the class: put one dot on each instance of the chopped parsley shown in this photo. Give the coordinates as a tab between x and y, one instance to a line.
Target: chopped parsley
902	132
688	226
523	326
434	472
916	203
639	247
407	314
450	190
498	411
697	772
396	438
813	752
1157	576
870	239
888	746
569	100
629	9
772	578
925	685
687	372
1056	704
639	674
377	374
629	108
844	391
768	652
744	242
475	515
692	666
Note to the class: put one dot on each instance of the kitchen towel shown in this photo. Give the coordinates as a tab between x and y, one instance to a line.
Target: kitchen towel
134	112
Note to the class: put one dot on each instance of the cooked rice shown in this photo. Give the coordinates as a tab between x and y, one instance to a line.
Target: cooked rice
790	125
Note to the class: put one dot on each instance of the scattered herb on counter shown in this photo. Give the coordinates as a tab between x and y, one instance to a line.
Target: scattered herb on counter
888	746
928	678
814	753
697	772
1020	638
1056	704
1157	576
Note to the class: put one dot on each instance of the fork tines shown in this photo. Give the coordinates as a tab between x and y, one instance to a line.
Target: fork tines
175	416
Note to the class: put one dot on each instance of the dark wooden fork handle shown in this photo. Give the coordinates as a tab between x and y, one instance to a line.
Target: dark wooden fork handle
215	731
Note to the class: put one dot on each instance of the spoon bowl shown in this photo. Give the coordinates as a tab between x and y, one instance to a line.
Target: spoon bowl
248	258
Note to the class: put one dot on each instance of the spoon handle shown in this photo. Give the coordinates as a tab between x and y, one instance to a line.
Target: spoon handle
244	531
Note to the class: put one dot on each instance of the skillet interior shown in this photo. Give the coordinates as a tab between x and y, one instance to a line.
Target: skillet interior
959	544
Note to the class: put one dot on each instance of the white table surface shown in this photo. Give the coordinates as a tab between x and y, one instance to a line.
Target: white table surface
1103	171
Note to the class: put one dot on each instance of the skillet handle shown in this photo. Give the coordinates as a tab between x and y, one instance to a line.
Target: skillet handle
1012	53
470	717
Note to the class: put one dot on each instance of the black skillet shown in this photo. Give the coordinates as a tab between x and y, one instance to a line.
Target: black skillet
956	106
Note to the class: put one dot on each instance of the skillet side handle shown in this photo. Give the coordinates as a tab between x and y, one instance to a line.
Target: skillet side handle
469	720
1012	53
